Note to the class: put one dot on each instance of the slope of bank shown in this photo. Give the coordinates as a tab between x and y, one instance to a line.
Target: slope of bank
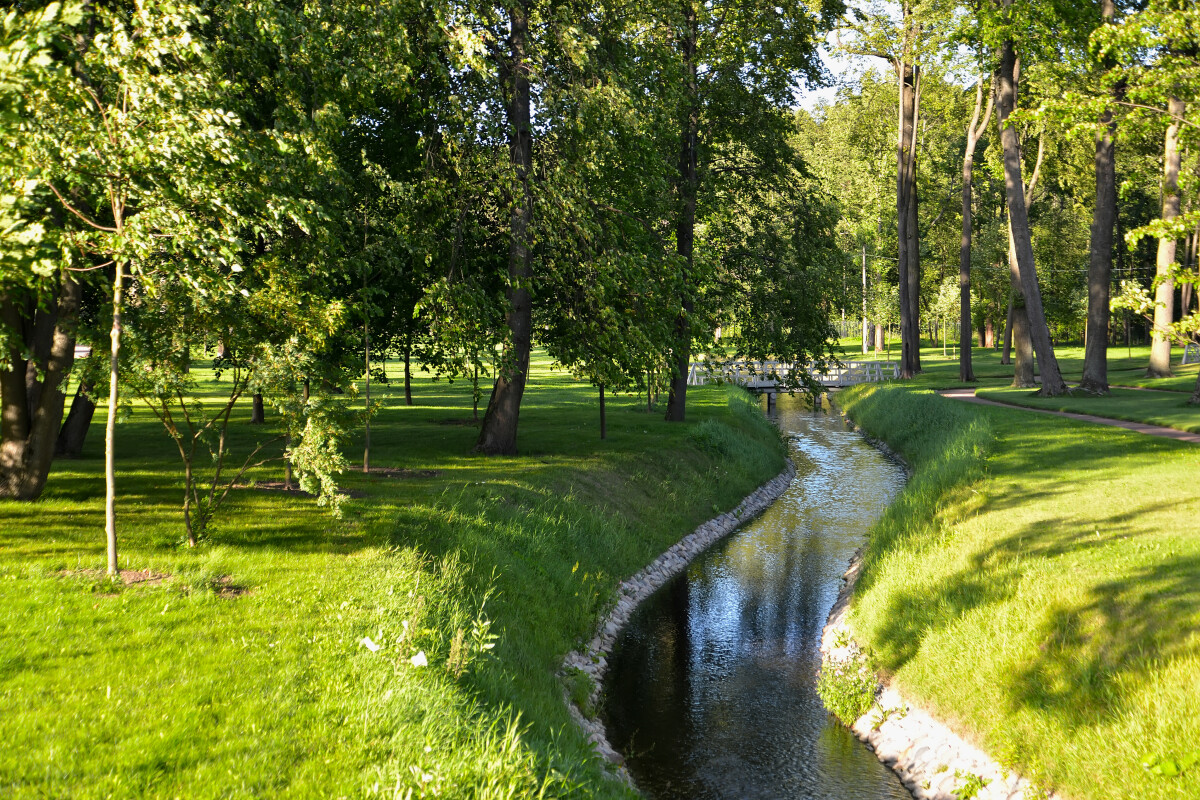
409	647
1037	586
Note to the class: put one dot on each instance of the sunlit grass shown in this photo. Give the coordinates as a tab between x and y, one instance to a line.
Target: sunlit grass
1038	585
243	672
1126	368
1169	409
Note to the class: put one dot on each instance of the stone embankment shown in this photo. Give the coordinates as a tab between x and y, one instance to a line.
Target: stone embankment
593	661
931	760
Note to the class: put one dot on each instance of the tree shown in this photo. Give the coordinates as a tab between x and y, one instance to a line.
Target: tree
498	435
1158	49
134	145
907	45
780	260
280	329
1019	330
1095	358
735	72
1164	304
1052	382
974	130
40	293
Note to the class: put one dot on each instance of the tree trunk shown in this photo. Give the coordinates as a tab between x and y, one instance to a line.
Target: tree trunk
367	395
1006	356
31	409
1039	333
75	427
603	419
287	464
1019	336
685	232
408	401
1164	296
908	265
110	428
498	434
1023	376
988	340
1193	264
966	371
865	324
1100	258
258	413
1186	289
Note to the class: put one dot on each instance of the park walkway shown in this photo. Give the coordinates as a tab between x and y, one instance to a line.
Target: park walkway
968	396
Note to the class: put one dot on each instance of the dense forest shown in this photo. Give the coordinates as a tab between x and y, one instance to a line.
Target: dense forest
299	190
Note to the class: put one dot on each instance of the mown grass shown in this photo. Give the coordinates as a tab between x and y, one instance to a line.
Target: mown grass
243	672
1038	585
1169	409
1126	366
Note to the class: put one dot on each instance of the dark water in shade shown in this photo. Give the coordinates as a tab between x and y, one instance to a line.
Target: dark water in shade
711	690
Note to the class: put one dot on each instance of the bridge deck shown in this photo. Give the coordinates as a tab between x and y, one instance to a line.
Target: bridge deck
766	376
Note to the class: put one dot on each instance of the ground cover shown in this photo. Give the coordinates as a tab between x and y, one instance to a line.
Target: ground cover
1037	585
250	668
1169	409
1126	366
1166	406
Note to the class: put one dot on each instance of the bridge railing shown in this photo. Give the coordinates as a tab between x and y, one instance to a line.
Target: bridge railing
766	375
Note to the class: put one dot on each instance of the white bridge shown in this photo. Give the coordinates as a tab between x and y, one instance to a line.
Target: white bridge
766	376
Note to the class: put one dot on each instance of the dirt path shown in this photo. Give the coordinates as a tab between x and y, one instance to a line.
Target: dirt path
968	396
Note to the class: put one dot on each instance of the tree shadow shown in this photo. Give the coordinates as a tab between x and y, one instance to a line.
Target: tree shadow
1087	653
1124	630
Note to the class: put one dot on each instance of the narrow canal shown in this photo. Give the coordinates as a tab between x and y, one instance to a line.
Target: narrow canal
711	690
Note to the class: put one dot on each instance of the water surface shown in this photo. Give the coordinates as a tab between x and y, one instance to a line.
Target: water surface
710	691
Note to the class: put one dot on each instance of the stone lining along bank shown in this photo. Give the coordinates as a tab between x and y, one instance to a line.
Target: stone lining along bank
931	760
593	660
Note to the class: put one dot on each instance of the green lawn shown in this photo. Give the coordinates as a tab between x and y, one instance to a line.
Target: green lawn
1124	370
1038	585
1169	409
243	673
1126	367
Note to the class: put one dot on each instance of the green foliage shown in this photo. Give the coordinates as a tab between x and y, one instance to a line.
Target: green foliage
971	785
847	686
579	688
1171	766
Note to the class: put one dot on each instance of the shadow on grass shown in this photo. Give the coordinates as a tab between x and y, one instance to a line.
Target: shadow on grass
1125	630
1129	618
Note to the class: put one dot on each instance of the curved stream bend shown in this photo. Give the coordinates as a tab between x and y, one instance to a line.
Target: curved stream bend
710	690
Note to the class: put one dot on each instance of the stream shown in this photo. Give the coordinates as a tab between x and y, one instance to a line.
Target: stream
711	690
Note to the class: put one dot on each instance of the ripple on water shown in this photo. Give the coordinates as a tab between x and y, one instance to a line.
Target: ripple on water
711	689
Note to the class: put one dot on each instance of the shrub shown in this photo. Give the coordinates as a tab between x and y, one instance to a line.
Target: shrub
847	686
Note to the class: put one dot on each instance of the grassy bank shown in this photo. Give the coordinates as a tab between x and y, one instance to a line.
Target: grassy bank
1038	586
240	669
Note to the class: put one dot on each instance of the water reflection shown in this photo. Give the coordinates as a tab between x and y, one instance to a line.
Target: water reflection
711	690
